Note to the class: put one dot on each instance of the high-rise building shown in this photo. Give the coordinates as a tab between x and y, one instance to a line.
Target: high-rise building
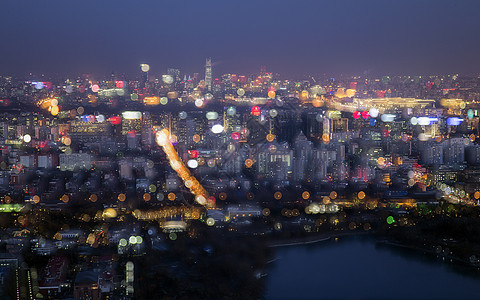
232	122
175	73
432	154
454	151
277	166
208	73
303	156
144	78
145	68
472	154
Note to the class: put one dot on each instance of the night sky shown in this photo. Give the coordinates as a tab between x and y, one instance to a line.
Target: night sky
293	38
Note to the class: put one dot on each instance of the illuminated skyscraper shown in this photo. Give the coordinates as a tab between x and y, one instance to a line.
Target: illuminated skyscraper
144	78
208	73
145	68
175	73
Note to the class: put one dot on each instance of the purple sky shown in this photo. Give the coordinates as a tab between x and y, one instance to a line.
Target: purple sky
293	38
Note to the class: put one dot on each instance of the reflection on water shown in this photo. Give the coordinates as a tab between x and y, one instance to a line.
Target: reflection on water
360	268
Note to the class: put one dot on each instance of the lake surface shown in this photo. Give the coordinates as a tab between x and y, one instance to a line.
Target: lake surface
361	268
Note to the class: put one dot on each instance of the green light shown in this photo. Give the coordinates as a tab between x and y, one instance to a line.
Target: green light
152	188
470	113
10	207
390	220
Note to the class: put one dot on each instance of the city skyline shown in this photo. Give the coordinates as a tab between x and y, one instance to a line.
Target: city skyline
187	149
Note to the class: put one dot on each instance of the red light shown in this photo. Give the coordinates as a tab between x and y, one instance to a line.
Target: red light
211	200
365	114
356	114
381	94
115	120
193	153
256	111
120	84
386	133
236	136
132	133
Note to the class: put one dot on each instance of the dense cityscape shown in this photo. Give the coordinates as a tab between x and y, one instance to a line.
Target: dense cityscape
126	188
264	150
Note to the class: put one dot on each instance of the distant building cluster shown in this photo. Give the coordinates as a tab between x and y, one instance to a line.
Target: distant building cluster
236	132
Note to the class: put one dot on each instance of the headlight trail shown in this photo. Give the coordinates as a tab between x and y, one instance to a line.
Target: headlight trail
163	140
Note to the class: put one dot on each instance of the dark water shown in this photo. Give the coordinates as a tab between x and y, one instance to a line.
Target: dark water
360	268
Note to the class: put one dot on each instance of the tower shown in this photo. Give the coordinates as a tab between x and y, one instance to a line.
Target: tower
208	73
145	68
